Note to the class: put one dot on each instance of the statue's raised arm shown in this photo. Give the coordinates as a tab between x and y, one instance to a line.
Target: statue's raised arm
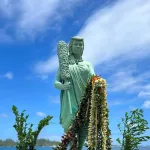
63	53
63	74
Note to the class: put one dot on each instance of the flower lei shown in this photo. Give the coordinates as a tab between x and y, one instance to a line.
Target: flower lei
93	110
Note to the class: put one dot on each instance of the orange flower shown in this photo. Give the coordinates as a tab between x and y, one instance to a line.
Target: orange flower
94	78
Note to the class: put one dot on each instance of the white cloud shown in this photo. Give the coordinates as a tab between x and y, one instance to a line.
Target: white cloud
8	75
3	115
144	94
120	102
115	32
40	114
45	67
121	81
33	17
128	80
146	104
118	31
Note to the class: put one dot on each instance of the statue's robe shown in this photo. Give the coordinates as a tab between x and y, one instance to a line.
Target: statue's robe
70	99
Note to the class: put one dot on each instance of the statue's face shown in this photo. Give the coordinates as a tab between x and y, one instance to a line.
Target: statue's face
77	47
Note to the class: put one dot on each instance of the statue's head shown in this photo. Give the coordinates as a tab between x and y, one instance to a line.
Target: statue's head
76	46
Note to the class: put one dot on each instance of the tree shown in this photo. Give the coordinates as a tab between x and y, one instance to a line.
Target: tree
133	127
27	137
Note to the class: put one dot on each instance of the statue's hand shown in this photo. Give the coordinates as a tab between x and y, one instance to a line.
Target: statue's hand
66	86
61	86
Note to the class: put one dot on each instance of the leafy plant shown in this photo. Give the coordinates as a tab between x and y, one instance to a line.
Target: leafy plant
133	127
27	137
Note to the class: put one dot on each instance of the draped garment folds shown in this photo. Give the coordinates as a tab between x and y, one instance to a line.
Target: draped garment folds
70	99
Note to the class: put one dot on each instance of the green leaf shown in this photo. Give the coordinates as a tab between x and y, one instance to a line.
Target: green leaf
118	140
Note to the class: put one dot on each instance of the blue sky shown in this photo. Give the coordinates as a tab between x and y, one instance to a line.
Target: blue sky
117	41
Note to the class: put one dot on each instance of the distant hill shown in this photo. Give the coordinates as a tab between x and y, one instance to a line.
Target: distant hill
40	142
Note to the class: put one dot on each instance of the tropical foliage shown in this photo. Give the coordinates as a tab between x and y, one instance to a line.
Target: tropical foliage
27	137
133	126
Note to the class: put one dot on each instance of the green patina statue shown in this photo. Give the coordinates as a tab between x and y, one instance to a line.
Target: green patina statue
72	77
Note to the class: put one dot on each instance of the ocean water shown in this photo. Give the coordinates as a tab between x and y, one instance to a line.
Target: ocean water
49	148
